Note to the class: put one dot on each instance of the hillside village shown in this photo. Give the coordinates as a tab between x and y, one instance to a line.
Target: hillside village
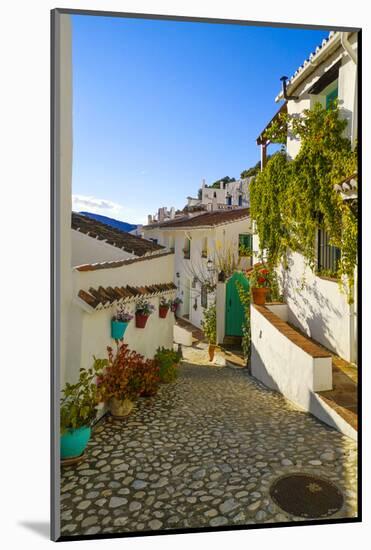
238	307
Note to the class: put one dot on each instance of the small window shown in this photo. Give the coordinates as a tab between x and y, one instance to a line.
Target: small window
204	248
187	249
331	97
245	245
240	200
214	194
328	255
204	296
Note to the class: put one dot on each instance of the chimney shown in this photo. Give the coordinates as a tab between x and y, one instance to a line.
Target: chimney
149	219
172	212
203	183
161	214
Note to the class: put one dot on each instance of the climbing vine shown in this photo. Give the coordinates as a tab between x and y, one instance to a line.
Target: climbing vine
245	298
292	199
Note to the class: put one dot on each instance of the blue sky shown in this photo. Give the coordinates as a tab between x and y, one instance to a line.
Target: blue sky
159	105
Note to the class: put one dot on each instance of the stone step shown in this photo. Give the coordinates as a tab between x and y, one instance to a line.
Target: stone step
232	341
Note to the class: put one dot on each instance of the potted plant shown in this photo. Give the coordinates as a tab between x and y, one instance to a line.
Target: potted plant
118	385
149	374
143	309
164	307
209	328
259	278
167	361
78	411
119	323
175	303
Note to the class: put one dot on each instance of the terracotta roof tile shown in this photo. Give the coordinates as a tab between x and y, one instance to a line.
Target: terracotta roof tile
293	335
209	219
115	237
119	263
106	296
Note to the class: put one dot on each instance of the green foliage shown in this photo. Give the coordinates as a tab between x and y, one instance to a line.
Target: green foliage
126	375
217	183
253	171
245	298
79	401
209	324
167	361
292	199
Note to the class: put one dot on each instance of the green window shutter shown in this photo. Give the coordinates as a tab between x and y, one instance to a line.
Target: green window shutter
330	98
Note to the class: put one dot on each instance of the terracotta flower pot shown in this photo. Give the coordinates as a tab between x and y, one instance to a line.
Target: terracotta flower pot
141	320
120	407
211	351
162	310
259	295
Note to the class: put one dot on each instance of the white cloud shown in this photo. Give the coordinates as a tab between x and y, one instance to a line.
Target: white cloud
108	208
93	204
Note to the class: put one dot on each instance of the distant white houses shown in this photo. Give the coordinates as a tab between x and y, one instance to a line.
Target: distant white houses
231	194
203	244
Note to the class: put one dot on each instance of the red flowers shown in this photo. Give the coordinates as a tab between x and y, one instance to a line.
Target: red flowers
261	280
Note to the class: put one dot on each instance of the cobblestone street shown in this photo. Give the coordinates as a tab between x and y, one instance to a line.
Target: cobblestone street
203	452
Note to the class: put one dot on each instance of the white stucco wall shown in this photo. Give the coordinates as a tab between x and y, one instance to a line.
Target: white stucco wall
96	333
317	306
152	270
282	365
86	250
90	331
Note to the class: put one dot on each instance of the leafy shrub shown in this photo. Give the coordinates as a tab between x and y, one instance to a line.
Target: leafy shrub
79	401
167	361
209	324
123	376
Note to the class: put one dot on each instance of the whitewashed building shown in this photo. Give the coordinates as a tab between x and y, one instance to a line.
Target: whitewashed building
201	243
281	357
320	308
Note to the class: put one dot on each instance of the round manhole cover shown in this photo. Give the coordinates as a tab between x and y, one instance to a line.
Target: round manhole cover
306	496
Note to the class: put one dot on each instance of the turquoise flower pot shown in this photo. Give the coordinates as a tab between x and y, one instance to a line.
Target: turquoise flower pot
74	442
118	329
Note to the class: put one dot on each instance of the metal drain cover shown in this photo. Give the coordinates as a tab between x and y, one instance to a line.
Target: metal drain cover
306	496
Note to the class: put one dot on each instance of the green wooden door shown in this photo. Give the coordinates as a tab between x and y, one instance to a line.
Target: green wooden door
234	312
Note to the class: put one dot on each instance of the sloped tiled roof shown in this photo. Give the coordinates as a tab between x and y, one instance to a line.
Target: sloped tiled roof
120	263
209	219
115	237
333	36
101	297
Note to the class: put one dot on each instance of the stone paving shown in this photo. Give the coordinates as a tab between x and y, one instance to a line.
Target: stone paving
201	453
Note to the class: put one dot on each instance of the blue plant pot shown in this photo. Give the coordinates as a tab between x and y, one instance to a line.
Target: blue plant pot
118	329
74	442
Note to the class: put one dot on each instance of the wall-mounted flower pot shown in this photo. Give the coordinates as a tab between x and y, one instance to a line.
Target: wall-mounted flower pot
118	329
120	408
174	308
141	320
74	442
259	295
162	311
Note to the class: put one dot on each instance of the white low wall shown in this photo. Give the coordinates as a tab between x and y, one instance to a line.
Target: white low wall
182	336
282	365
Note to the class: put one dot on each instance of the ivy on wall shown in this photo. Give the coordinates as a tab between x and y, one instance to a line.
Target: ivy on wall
292	199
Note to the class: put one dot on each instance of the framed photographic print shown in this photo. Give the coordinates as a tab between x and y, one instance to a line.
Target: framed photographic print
205	284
